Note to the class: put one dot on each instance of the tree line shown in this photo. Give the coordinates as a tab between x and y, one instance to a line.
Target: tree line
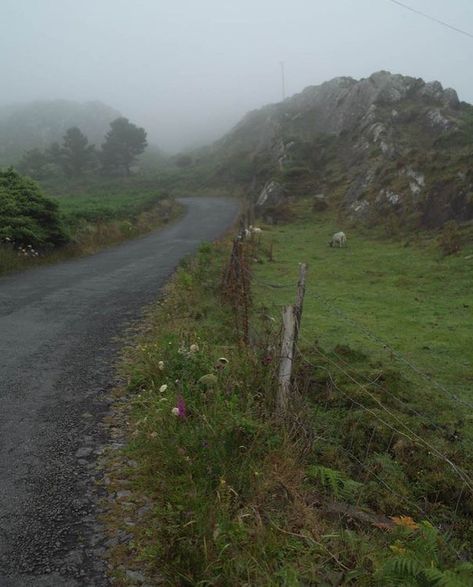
75	157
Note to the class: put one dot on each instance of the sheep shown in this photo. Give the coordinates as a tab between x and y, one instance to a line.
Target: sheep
244	234
339	238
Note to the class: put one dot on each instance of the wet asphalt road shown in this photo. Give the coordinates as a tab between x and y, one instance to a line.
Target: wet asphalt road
58	340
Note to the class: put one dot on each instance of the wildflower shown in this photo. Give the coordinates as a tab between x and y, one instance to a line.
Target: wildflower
405	521
163	388
175	411
181	406
194	348
161	365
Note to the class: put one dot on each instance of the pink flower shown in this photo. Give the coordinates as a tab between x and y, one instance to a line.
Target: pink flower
181	406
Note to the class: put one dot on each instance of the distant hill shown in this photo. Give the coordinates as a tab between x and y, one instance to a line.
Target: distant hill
38	124
385	146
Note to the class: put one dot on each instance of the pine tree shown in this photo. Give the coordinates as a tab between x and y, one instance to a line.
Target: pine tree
123	143
77	154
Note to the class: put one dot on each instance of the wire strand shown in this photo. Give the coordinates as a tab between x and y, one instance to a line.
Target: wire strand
432	18
408	433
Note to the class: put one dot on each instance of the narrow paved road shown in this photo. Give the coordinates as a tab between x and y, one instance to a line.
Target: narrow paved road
58	339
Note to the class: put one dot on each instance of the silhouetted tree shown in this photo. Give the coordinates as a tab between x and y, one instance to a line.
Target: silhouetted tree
77	154
123	143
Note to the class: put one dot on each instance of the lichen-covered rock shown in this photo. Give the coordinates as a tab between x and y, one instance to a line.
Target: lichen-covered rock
271	195
389	138
437	119
389	198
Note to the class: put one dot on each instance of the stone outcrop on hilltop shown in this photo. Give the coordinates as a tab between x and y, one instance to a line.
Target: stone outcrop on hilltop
388	145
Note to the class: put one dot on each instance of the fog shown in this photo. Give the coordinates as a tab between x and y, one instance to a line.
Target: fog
187	70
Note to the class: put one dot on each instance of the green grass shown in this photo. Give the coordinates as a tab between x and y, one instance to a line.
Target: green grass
231	494
409	295
101	200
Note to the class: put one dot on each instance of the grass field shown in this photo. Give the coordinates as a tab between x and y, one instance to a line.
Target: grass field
100	200
407	294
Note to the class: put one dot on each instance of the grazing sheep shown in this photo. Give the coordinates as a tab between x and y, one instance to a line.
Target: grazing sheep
339	238
255	230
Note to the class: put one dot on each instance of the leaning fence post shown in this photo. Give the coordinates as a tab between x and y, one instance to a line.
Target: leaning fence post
287	353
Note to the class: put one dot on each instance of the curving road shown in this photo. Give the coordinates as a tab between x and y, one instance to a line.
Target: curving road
58	329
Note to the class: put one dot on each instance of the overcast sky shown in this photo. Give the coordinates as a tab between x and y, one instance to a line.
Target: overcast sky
187	70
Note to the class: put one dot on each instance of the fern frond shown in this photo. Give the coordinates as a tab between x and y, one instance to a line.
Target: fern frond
400	570
334	481
437	578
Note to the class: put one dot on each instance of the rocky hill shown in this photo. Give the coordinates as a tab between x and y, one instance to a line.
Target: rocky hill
38	124
388	147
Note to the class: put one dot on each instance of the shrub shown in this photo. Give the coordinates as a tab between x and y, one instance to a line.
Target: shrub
26	216
449	239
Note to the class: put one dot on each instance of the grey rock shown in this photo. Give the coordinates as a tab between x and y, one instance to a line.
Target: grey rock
135	577
437	119
271	195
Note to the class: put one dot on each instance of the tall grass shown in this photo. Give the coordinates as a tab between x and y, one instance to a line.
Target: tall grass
220	492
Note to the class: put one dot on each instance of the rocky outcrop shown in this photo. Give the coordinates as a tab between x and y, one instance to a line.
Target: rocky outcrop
388	141
271	195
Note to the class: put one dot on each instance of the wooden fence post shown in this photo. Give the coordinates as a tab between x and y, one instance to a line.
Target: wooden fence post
299	300
285	365
291	322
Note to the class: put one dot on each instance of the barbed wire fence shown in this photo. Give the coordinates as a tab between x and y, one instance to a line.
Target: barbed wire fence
390	423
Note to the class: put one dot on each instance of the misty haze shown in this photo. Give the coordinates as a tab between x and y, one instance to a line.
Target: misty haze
236	293
188	71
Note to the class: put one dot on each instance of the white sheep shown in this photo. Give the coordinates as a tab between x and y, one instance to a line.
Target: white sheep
339	238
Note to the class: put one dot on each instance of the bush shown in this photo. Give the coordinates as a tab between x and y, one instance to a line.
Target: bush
449	239
26	216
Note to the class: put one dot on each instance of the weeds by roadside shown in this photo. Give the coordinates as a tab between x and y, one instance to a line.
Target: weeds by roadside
89	237
234	496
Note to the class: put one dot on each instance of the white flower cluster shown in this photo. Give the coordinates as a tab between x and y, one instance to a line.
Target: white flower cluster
27	251
192	350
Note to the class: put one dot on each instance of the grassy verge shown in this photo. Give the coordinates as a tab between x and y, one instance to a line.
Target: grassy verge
97	214
212	489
